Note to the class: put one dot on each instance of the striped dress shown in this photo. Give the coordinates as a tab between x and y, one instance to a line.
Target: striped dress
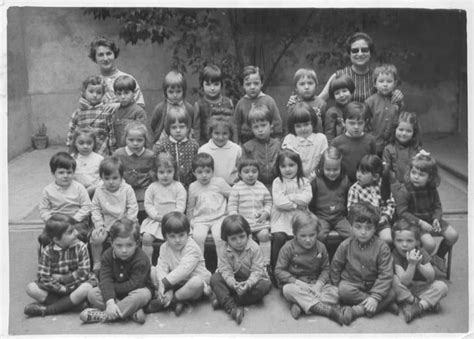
364	85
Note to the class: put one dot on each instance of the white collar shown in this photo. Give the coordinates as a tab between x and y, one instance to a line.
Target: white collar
174	141
129	152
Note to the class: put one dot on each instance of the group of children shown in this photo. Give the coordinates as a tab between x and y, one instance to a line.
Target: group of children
270	204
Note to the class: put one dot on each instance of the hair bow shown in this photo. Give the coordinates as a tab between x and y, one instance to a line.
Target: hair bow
289	147
424	153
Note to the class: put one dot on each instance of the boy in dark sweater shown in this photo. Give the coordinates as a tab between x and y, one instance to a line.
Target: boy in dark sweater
125	285
354	143
362	267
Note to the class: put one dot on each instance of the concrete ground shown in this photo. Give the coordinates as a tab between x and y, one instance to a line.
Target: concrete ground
272	316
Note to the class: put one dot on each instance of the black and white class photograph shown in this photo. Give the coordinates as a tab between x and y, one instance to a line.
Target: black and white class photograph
236	168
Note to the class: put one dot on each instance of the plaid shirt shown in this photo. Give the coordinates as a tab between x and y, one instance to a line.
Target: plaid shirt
101	122
372	195
56	260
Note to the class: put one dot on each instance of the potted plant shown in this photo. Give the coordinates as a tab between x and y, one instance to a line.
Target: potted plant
40	138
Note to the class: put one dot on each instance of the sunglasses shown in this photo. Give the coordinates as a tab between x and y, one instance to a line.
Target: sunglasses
357	50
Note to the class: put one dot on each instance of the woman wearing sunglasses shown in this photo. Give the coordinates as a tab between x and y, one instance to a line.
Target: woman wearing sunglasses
360	47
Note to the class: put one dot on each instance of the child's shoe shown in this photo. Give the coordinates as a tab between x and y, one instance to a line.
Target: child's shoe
179	308
214	302
436	308
393	308
237	314
351	313
207	290
332	312
271	275
412	311
295	311
93	315
155	305
35	310
139	316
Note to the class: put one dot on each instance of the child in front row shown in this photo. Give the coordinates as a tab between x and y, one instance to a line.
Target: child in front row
252	200
87	161
64	277
362	267
262	146
65	196
303	269
291	191
305	81
341	89
414	284
181	273
240	278
113	200
302	127
418	201
174	90
138	162
92	114
161	197
252	79
373	187
329	201
125	285
125	87
382	113
354	143
179	144
207	202
404	143
225	153
213	103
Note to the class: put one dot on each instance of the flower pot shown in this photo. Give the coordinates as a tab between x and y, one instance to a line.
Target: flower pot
39	141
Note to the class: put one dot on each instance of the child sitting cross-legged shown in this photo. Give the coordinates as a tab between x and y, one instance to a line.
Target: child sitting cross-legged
414	284
303	268
241	278
362	267
125	286
181	273
64	277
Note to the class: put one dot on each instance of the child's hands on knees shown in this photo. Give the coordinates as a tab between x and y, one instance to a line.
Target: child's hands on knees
370	304
414	257
241	287
436	226
99	235
261	216
167	297
111	107
425	226
112	311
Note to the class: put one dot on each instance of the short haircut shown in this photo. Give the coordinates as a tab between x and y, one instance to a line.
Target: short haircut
109	165
136	126
93	80
370	163
304	218
248	70
210	73
305	72
360	36
125	83
177	114
166	160
216	122
105	42
386	69
259	113
403	224
341	81
301	113
124	228
56	226
202	160
174	222
364	212
234	224
174	79
355	111
62	160
247	161
83	131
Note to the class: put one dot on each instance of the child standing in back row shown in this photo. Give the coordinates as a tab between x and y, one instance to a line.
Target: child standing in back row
302	125
252	81
91	113
305	81
213	103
